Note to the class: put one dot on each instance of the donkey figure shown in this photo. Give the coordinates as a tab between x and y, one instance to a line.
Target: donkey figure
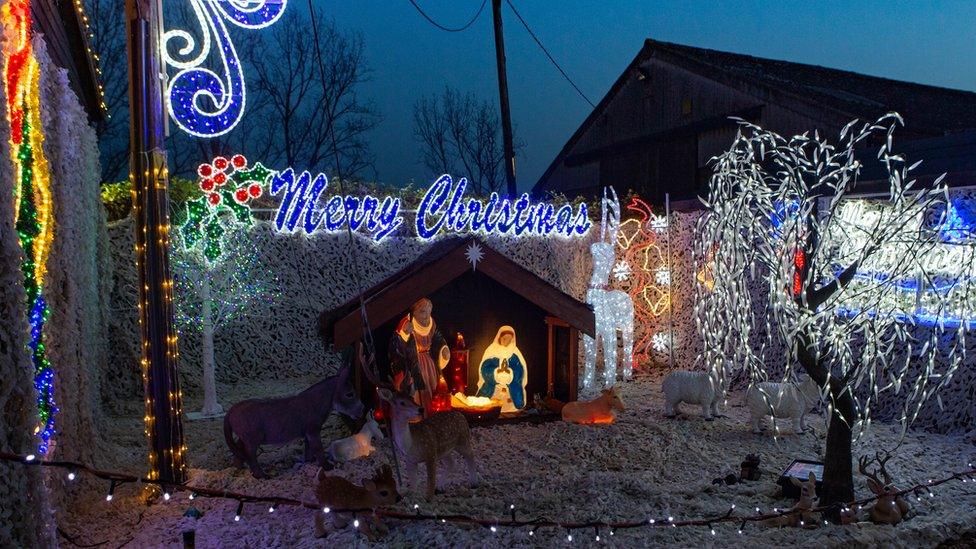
613	309
278	421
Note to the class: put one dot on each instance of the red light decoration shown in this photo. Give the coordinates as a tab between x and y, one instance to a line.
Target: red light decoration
799	261
457	368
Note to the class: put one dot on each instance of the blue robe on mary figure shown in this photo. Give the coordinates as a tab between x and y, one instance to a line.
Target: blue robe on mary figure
503	372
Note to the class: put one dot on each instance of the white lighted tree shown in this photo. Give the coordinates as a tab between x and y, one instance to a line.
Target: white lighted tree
212	294
808	278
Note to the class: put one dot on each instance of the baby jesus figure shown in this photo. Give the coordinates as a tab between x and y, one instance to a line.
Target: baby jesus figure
502	375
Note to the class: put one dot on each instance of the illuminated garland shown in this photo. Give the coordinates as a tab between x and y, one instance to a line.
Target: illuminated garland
32	198
511	521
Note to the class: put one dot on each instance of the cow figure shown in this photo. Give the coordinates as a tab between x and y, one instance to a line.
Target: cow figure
277	421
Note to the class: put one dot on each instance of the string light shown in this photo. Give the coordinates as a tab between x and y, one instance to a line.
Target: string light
33	214
116	478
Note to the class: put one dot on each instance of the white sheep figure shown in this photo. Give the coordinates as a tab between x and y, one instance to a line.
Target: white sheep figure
358	445
702	388
782	400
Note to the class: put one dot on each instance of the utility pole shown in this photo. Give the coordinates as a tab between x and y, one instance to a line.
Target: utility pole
509	145
150	209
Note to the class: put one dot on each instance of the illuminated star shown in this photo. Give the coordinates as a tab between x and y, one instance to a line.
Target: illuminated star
621	271
474	255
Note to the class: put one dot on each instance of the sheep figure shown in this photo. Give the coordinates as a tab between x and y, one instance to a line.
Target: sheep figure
789	400
702	388
358	445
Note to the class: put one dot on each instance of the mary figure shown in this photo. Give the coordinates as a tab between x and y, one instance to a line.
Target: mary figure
503	375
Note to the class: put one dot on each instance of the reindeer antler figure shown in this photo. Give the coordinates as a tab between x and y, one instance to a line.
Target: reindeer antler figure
889	508
613	309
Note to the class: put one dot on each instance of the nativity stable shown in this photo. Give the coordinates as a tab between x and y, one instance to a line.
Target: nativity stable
507	329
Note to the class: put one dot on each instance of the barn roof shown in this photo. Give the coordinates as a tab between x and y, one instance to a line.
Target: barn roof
929	110
441	263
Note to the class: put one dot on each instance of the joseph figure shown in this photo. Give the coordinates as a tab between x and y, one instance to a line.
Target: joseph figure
419	352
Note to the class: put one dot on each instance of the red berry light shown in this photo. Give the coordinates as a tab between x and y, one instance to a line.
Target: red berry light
241	195
220	178
239	161
205	170
207	185
254	190
214	199
220	163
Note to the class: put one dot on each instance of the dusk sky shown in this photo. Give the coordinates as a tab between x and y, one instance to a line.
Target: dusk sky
926	42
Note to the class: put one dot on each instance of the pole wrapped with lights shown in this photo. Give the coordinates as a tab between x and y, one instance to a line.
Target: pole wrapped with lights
33	207
150	210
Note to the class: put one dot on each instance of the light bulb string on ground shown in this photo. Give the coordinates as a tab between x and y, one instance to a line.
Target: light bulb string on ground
118	478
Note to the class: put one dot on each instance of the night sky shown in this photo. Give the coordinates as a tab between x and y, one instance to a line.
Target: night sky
925	42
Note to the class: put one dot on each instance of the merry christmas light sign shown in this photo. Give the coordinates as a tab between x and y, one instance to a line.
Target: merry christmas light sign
306	205
443	209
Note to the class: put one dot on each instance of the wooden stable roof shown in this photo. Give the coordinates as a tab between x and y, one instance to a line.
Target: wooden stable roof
442	263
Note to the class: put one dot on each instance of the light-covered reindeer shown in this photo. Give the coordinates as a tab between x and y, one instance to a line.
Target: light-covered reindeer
613	309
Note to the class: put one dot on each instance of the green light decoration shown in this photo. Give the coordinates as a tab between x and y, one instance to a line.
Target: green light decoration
228	188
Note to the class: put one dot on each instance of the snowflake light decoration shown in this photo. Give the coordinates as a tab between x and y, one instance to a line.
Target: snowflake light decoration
622	271
662	276
659	342
658	223
474	255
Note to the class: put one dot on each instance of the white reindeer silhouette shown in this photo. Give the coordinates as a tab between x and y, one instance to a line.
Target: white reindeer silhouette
614	309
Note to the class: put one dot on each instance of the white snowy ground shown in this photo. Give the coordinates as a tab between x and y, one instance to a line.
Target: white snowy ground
641	467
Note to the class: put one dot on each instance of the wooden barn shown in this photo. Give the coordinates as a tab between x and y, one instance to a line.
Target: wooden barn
475	301
669	113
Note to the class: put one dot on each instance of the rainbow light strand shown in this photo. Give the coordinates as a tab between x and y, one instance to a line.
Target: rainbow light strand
32	198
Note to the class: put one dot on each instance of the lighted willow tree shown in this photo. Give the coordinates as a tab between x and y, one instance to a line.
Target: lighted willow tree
806	277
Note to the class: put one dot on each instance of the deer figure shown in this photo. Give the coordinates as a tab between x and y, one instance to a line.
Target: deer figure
889	508
336	493
599	410
613	309
800	514
427	440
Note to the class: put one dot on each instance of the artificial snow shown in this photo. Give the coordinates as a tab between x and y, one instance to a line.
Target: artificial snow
643	466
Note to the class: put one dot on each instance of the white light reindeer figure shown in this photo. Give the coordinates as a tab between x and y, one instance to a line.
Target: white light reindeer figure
614	309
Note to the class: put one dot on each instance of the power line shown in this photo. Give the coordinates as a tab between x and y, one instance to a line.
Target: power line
450	29
549	55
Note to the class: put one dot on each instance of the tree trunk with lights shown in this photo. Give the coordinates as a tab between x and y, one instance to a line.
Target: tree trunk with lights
838	475
210	405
